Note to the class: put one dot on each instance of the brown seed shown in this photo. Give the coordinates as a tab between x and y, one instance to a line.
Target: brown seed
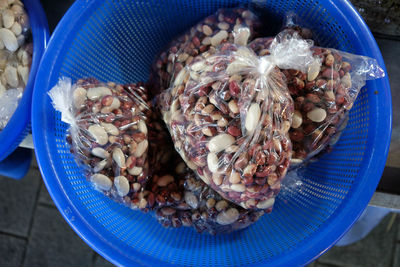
234	131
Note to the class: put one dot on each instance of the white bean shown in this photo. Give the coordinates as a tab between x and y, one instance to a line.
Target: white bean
101	181
122	185
220	142
228	217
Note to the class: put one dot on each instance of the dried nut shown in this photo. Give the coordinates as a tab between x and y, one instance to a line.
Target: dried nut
135	170
198	66
9	39
222	122
217	179
286	126
329	60
95	93
165	180
218	38
220	142
122	185
20	40
233	106
346	81
234	178
212	162
223	26
210	203
110	128
236	67
168	211
100	152
11	76
313	70
297	119
118	157
206	41
142	126
100	166
115	104
207	110
23	73
207	131
317	115
101	181
238	187
253	117
16	28
232	149
242	36
228	217
142	203
8	18
79	97
136	187
191	200
266	203
180	168
207	30
99	134
330	96
221	205
141	148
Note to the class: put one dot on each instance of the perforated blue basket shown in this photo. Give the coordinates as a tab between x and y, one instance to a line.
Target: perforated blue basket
117	41
19	124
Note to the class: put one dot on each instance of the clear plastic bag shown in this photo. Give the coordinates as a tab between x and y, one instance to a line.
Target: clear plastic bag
179	198
15	57
108	134
237	25
322	95
229	115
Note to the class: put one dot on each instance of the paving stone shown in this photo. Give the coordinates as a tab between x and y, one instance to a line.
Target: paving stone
396	259
17	202
376	249
34	163
54	243
11	250
391	53
44	196
101	262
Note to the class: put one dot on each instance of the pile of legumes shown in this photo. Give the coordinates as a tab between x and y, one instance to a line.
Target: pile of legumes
226	113
15	56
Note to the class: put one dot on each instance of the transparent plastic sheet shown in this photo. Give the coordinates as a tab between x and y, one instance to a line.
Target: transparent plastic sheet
229	114
237	25
179	198
108	134
15	57
322	95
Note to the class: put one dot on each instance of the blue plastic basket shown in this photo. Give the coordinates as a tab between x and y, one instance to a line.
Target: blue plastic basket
117	41
19	124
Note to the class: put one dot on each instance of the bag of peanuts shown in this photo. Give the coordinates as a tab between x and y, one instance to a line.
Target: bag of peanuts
107	133
237	25
15	57
229	114
322	95
179	198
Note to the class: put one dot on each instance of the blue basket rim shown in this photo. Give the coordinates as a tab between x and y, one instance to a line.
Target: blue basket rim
349	210
22	116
